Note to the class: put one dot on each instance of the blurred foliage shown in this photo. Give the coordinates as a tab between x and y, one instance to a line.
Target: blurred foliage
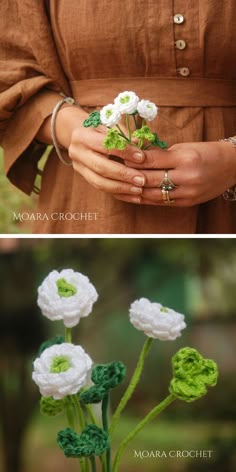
13	200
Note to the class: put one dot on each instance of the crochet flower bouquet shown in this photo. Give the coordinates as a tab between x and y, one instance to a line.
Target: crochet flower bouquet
127	105
64	371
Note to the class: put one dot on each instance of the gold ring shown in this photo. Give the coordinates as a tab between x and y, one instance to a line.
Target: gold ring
166	183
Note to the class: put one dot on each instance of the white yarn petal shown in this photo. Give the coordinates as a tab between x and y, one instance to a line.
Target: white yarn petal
127	102
155	320
69	382
147	110
69	309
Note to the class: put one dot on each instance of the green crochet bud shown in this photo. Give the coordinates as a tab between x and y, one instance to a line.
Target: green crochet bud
51	407
192	374
93	441
56	340
95	394
109	375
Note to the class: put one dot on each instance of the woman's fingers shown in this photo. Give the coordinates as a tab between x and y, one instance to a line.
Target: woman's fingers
157	159
153	178
94	139
108	168
104	184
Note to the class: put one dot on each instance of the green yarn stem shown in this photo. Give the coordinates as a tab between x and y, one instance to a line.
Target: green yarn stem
135	122
68	335
70	413
128	125
146	147
82	464
105	404
149	417
93	464
122	133
79	412
133	383
71	421
91	414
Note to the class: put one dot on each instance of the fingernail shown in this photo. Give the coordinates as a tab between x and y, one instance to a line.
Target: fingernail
137	190
139	181
138	156
136	200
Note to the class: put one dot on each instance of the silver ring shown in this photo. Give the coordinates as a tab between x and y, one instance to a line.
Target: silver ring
166	183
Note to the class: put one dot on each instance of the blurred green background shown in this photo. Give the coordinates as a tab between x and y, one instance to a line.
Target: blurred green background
12	200
196	277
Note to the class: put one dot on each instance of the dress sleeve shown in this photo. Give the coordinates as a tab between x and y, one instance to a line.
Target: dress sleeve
31	79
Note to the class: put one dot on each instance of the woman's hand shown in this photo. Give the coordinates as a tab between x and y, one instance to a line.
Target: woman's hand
91	159
201	172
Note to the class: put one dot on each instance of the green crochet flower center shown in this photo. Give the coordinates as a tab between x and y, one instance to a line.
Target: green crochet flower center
60	364
109	113
125	99
65	289
164	309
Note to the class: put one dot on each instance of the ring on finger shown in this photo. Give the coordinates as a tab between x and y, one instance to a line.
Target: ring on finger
166	183
165	197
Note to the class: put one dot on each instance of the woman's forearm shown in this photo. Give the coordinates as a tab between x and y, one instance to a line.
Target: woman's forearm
68	118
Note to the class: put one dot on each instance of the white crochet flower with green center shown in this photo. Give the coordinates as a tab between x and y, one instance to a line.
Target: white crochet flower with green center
155	320
127	102
147	110
110	115
67	296
61	370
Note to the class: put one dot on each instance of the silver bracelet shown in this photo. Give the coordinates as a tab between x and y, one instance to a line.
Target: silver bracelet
230	193
69	101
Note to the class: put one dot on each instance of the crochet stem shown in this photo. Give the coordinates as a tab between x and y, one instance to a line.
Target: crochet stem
79	412
149	417
135	122
128	125
70	413
93	464
91	414
133	383
68	335
105	404
121	133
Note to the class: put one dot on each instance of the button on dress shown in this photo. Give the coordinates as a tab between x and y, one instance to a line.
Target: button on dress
179	54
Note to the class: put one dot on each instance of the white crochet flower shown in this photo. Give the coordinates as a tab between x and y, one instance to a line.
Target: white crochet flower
110	115
67	296
61	370
155	320
147	110
127	102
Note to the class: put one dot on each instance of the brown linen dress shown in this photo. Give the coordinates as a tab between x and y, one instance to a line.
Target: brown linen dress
180	54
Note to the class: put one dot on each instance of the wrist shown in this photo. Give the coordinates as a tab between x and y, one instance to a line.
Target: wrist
68	119
229	153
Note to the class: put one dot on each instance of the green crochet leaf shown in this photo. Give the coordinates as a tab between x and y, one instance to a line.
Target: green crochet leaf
93	441
114	141
192	374
109	375
51	407
144	133
92	120
94	394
